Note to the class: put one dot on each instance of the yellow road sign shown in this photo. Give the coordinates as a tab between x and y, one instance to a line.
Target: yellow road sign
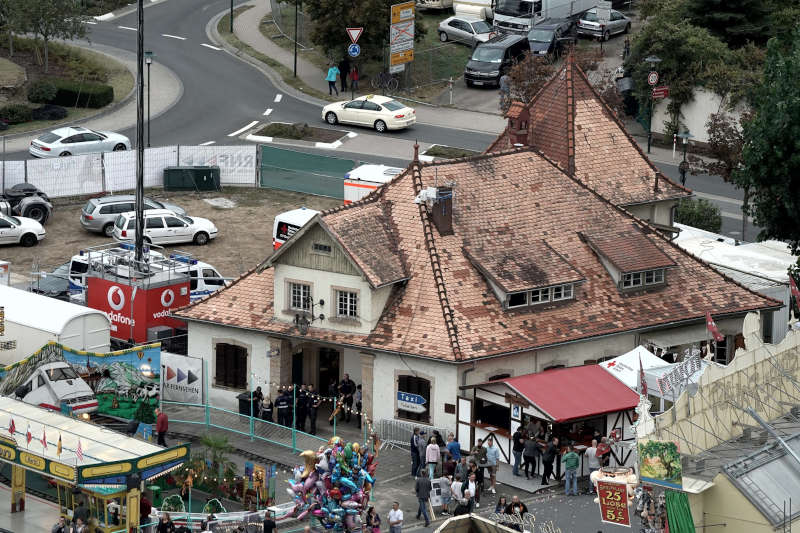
401	12
398	58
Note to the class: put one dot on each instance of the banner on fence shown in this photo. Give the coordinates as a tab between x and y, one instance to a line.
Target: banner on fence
182	378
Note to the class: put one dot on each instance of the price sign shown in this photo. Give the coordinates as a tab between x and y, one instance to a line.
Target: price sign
614	503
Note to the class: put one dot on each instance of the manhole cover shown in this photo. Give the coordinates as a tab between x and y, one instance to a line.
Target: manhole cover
220	203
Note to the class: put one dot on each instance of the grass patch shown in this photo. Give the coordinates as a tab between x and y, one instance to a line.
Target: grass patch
101	7
11	74
449	152
285	73
127	407
299	131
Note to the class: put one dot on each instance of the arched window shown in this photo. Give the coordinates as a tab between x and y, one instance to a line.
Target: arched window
414	386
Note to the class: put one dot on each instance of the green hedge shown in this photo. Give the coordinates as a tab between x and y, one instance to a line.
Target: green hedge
16	114
70	93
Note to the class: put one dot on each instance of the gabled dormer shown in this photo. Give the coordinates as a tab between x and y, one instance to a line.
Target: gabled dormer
336	273
632	260
528	276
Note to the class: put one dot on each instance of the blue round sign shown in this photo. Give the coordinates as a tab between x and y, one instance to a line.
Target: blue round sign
353	50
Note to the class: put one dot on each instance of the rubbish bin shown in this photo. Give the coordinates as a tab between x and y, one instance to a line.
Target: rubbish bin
244	403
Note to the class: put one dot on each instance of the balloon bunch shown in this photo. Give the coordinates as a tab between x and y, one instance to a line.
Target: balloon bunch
334	485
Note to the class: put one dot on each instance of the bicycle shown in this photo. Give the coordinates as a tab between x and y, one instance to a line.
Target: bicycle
385	80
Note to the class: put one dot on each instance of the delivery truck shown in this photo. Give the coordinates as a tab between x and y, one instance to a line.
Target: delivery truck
519	16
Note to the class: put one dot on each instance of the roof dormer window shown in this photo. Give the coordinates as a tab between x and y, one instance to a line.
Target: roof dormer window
540	296
638	279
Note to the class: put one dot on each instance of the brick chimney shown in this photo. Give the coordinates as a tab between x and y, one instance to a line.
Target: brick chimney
441	212
518	116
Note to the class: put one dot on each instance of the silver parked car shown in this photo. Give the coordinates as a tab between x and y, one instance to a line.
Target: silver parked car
99	214
589	24
467	30
75	141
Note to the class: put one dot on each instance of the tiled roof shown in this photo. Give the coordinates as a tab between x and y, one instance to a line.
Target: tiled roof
367	237
628	249
498	199
524	265
567	110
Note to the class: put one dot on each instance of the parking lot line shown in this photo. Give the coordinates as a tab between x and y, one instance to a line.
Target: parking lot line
237	132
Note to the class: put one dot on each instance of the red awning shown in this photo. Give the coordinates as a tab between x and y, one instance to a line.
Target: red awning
573	393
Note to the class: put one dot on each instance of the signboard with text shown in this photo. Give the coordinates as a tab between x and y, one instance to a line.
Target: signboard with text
401	34
614	503
413	403
661	92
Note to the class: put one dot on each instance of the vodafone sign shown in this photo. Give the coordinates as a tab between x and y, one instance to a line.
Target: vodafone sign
133	310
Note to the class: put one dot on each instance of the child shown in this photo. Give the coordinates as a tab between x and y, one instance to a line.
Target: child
445	482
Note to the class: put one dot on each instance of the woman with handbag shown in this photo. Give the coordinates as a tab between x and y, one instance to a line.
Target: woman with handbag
373	520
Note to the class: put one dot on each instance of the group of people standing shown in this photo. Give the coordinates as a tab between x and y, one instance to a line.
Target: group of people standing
343	70
302	404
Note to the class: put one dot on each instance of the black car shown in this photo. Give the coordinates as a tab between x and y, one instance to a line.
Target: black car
495	57
54	284
544	37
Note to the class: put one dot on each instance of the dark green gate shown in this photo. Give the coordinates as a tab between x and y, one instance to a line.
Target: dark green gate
298	171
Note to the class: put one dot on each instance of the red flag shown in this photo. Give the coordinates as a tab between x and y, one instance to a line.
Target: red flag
642	380
28	436
712	328
12	428
44	438
795	290
79	451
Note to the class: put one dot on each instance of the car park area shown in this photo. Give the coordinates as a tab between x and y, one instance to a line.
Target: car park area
233	252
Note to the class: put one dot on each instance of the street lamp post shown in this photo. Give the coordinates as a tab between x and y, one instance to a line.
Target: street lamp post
685	136
652	61
296	13
148	59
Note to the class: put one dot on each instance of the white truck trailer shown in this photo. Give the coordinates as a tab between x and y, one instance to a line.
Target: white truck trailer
32	320
519	16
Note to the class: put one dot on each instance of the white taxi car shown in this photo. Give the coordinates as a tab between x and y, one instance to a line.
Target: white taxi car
20	230
374	111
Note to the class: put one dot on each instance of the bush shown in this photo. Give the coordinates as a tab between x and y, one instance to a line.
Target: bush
16	114
699	213
41	92
70	93
3	125
49	112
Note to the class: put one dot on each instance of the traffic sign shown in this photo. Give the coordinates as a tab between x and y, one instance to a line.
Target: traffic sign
405	56
354	34
661	92
394	69
353	50
401	34
401	12
652	78
411	402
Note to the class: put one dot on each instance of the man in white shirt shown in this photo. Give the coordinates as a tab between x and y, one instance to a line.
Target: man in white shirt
592	462
395	519
472	487
456	490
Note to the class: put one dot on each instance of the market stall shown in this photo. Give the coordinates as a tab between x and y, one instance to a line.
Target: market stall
573	404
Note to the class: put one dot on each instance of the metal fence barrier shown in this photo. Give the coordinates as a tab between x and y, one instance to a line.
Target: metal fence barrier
398	433
283	15
298	171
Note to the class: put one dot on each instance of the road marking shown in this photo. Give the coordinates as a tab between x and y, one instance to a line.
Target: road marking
212	47
728	214
237	132
173	36
89	22
207	143
718	198
267	112
278	98
127	28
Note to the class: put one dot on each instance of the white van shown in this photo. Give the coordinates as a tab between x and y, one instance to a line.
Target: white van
54	383
362	180
205	279
287	223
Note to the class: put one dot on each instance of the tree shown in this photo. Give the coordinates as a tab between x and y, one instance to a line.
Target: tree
770	157
736	22
699	213
725	143
527	77
53	19
11	21
331	17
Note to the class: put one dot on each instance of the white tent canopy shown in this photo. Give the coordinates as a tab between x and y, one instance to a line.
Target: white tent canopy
626	367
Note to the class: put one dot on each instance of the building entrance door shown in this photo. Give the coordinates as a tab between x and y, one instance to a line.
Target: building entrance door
328	370
297	368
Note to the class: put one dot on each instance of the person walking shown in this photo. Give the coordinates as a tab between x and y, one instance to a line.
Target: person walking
592	462
422	447
453	448
314	401
492	457
423	491
548	457
331	79
395	519
415	452
530	455
344	69
432	456
162	424
354	78
517	449
571	462
347	388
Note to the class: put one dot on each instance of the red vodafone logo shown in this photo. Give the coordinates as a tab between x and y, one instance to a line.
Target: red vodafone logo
116	298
